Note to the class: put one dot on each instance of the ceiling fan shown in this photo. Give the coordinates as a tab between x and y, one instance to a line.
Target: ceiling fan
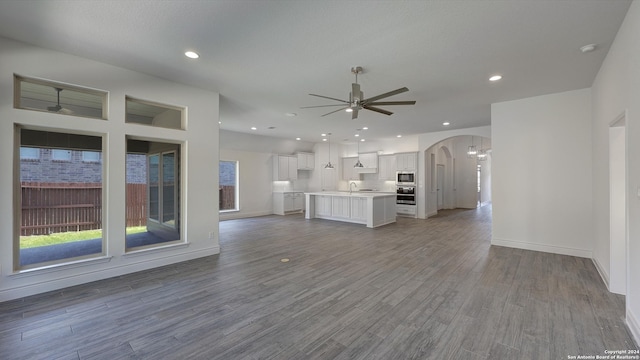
357	101
58	108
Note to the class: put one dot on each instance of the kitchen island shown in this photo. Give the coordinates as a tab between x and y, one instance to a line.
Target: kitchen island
370	208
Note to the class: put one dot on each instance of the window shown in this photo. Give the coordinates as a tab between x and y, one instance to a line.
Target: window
228	192
91	156
153	193
154	114
60	203
57	98
61	155
27	153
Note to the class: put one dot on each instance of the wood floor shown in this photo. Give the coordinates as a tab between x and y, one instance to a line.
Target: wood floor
417	289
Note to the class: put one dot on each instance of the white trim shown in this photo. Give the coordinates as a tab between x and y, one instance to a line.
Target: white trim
232	215
155	248
603	274
561	250
60	266
634	327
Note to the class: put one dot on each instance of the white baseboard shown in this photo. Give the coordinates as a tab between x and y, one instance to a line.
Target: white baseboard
543	248
241	215
634	327
604	275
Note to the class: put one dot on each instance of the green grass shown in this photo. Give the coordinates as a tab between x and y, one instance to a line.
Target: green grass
65	237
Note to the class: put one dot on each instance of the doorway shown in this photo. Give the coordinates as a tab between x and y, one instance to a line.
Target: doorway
440	185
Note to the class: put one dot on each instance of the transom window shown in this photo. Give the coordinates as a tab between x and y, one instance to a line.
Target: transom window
58	98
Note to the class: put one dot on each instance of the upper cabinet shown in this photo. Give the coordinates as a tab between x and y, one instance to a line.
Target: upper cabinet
348	171
369	162
387	167
285	167
407	161
306	161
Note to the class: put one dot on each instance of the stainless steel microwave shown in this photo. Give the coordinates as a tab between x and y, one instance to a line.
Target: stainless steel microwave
405	178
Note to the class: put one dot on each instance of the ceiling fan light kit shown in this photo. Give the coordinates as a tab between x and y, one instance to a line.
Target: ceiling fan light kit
357	101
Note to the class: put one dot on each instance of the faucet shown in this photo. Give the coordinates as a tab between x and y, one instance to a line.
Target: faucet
352	183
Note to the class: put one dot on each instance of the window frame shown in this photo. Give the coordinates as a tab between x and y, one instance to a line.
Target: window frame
84	159
57	158
29	158
17	204
18	104
236	186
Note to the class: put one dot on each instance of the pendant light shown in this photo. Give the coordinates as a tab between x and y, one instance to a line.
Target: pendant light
358	163
471	150
329	166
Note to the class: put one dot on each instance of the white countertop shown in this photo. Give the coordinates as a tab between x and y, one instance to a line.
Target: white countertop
354	193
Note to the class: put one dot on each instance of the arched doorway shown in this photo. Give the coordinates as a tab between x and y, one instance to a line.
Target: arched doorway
454	178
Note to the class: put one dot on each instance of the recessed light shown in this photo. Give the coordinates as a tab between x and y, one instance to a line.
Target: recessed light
254	128
219	122
361	139
291	114
348	110
365	128
588	48
446	123
399	136
191	54
323	134
298	139
356	135
495	78
324	139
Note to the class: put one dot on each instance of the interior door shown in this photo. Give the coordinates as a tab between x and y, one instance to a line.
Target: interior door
440	185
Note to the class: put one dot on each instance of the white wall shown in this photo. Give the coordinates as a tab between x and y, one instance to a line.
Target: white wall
542	173
199	213
255	174
615	90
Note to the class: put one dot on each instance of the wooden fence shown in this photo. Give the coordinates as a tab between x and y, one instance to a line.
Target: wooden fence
227	196
49	208
59	207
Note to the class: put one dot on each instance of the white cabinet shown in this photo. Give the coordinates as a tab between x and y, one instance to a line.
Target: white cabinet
359	208
348	172
387	167
285	167
323	205
287	202
407	161
298	201
369	163
306	161
340	206
406	210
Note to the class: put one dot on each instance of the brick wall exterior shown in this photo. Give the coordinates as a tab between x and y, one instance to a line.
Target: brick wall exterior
44	169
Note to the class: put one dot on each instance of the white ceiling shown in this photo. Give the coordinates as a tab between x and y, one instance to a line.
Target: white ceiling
266	56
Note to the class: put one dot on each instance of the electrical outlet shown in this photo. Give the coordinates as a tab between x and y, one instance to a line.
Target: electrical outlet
211	235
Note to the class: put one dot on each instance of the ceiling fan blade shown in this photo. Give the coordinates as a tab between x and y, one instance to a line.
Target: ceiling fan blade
344	108
382	111
317	106
392	103
354	114
387	94
355	92
330	98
